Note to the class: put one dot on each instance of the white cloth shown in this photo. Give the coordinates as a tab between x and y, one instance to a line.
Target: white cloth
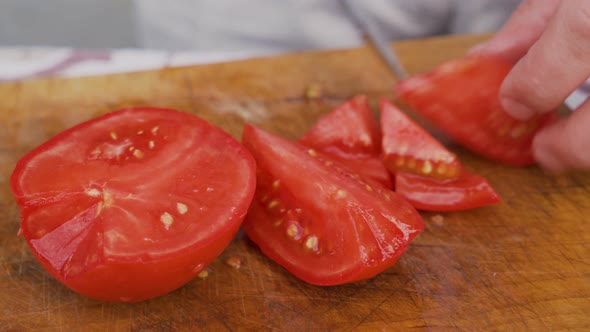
230	25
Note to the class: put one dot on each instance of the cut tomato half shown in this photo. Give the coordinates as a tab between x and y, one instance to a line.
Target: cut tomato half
351	134
321	222
133	204
407	147
461	99
466	192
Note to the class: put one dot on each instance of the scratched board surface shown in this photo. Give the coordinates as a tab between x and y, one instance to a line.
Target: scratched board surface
522	264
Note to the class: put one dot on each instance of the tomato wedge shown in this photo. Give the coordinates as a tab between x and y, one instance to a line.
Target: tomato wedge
321	222
351	134
460	98
133	204
428	175
466	192
408	147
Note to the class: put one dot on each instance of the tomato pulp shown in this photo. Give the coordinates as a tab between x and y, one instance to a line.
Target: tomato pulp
351	134
320	220
428	175
133	204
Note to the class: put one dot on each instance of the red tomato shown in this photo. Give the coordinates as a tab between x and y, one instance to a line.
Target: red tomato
436	180
133	204
351	134
467	192
461	99
408	147
324	224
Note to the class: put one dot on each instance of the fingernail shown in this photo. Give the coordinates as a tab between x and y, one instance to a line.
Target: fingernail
516	109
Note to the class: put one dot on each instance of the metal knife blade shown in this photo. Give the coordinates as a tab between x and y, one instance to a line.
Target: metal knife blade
360	16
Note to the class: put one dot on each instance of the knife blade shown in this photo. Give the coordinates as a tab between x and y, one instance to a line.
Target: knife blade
360	16
373	33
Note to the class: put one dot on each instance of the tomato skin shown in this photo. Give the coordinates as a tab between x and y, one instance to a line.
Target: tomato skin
320	221
460	98
115	224
466	192
351	134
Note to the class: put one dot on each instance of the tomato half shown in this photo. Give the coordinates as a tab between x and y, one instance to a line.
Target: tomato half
466	192
460	98
321	222
408	147
133	204
351	134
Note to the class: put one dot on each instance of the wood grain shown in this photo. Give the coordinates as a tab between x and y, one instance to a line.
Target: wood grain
520	265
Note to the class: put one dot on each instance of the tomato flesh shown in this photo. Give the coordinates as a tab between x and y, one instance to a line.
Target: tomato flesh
460	98
466	192
322	222
351	134
407	147
133	204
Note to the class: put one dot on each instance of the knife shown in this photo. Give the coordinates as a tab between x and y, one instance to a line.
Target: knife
359	14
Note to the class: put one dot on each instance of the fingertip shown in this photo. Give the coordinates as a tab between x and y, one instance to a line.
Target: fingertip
516	109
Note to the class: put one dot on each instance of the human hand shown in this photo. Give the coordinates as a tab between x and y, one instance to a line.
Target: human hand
549	40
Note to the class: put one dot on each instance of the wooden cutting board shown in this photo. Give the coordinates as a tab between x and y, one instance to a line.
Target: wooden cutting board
523	264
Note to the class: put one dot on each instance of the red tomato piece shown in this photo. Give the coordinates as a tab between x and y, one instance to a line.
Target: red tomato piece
466	192
133	204
351	134
322	223
460	98
408	147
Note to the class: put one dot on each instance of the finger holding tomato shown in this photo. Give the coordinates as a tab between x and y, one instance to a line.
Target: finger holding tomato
549	42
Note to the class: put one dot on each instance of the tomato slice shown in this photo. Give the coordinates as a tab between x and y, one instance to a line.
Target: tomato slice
466	192
133	204
351	134
408	147
321	222
460	97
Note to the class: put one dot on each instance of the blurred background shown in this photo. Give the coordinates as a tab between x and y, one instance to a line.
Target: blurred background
77	23
222	25
40	38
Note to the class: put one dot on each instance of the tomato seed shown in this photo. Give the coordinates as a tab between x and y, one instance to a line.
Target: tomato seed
400	162
311	243
276	184
427	167
167	219
274	203
138	154
151	144
113	135
155	130
294	230
441	169
312	153
181	208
